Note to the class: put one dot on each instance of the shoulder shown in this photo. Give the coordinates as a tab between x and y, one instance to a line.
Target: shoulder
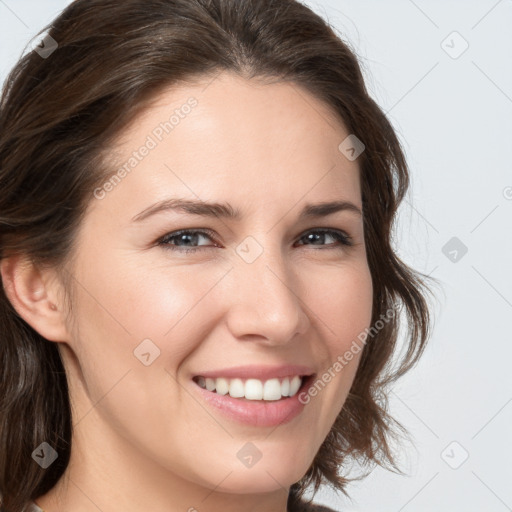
312	507
32	507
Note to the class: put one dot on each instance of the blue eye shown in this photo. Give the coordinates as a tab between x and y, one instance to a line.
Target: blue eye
191	236
339	236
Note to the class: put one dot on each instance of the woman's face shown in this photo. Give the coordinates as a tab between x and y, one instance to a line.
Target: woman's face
265	290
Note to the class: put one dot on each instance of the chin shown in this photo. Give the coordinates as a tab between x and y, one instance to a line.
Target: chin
260	478
248	482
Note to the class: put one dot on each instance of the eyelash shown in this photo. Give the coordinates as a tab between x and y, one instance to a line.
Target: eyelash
340	236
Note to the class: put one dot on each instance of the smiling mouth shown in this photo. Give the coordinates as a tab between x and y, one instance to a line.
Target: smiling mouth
273	389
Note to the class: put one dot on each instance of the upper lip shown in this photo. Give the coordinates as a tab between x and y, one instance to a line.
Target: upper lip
258	372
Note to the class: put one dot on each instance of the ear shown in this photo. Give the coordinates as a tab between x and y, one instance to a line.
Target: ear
35	296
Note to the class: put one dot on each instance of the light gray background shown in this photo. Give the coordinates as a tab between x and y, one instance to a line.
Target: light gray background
453	114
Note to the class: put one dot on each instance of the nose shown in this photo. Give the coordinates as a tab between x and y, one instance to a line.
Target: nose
265	303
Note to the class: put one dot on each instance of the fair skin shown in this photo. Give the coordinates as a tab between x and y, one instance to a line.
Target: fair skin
143	439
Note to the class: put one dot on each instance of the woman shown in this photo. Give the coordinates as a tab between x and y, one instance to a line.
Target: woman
169	340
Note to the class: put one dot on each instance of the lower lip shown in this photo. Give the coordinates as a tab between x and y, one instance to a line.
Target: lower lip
259	413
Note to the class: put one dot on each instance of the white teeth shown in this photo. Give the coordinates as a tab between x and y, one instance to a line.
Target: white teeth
236	388
221	386
210	384
295	385
285	387
252	389
272	390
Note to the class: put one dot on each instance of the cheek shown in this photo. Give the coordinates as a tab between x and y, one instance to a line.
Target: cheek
343	304
120	309
343	307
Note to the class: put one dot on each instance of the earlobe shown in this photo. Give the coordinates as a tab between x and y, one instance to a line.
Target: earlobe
33	296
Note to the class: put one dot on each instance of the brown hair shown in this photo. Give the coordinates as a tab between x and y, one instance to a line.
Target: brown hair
58	114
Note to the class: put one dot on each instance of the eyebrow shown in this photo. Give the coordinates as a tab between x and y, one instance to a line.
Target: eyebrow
225	210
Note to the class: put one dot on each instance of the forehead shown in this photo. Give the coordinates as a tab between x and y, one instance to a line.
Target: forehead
242	138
